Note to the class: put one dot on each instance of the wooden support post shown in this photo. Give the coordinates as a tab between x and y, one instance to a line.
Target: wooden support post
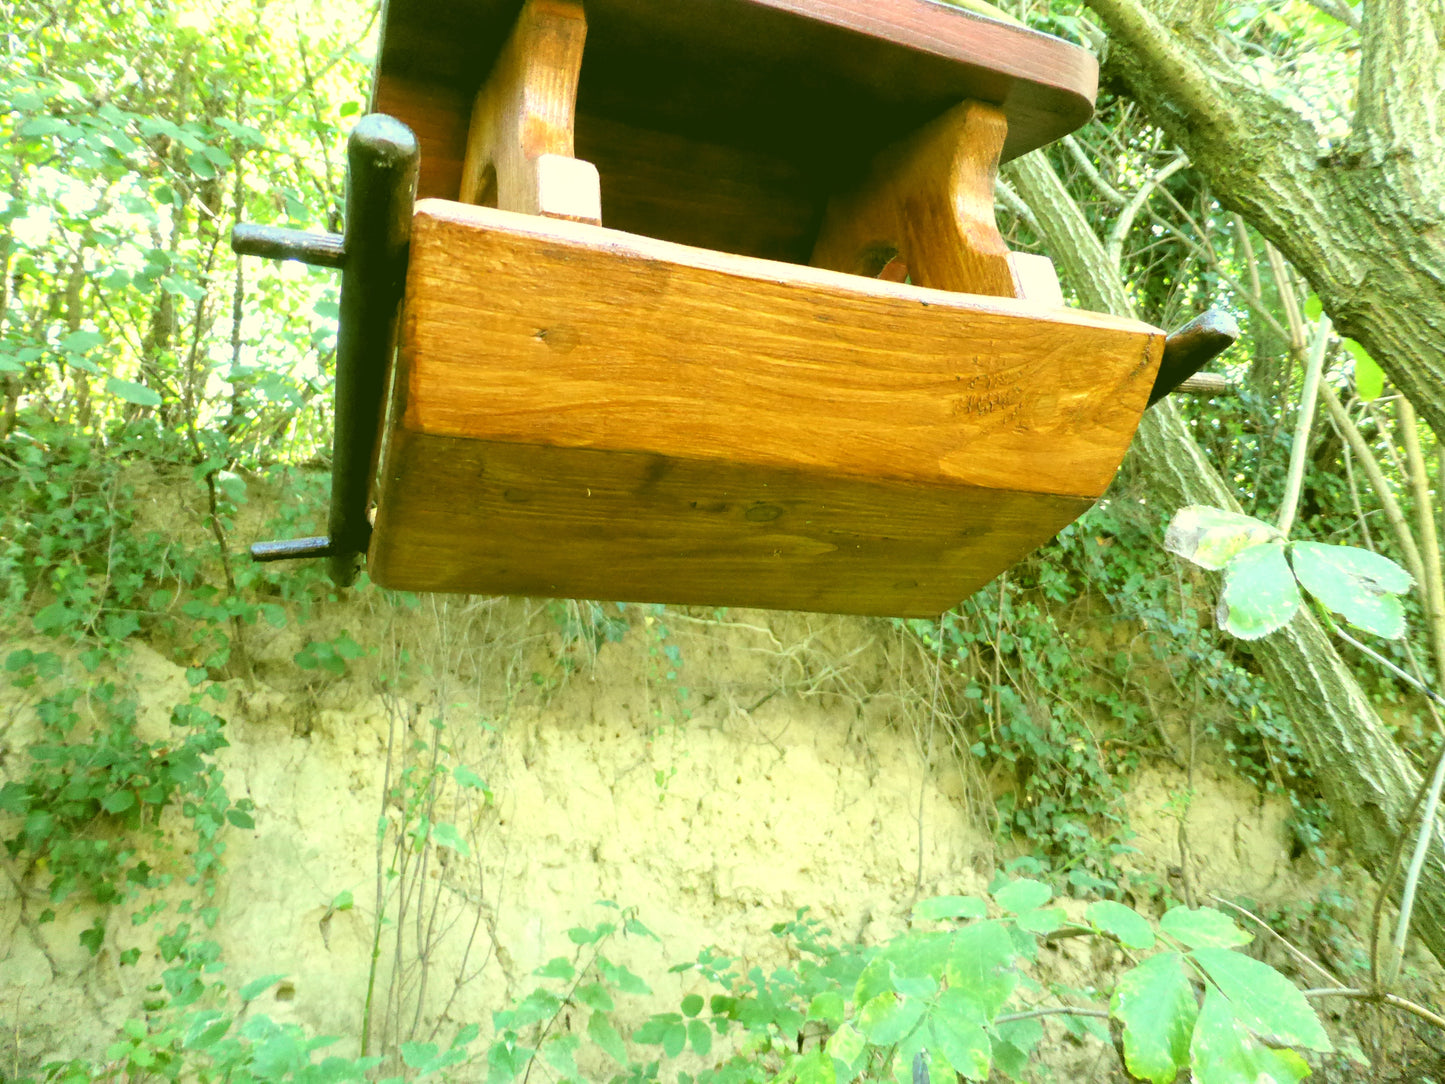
520	148
925	209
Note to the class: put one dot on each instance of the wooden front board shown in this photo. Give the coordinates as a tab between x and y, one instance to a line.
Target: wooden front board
585	413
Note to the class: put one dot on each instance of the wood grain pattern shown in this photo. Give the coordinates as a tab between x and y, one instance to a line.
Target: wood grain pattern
519	150
929	200
582	413
526	330
496	518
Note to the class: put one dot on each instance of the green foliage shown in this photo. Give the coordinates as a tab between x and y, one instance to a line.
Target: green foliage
1262	589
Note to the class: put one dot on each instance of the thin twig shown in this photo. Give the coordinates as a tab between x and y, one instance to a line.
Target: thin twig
1296	952
1394	1000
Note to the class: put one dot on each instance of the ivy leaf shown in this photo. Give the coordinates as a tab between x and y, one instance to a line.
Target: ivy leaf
1155	1003
1260	593
601	1032
1203	928
1359	585
1262	999
1212	537
1131	928
446	835
1223	1053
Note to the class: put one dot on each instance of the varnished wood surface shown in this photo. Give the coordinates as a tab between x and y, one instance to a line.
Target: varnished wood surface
928	199
654	183
496	518
793	76
520	154
519	329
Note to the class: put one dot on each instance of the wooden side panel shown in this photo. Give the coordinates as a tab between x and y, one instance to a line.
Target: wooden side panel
532	331
491	518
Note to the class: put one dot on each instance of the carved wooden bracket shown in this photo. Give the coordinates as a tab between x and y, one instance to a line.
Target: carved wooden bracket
925	211
520	154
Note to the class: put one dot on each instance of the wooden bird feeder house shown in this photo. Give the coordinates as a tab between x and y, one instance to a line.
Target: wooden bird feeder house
703	301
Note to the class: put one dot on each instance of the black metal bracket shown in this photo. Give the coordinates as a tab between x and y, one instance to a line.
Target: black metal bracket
1187	350
382	160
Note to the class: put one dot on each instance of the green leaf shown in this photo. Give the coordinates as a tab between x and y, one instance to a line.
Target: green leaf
1203	928
118	801
1262	999
595	996
692	1005
1369	377
950	907
1042	920
1359	585
560	1054
621	979
957	1032
1155	1003
81	342
93	937
1131	928
131	392
446	835
827	1007
980	963
256	987
1212	537
465	777
847	1044
1012	1042
240	818
1023	895
1260	593
815	1067
558	967
1223	1053
889	1017
601	1032
699	1037
417	1055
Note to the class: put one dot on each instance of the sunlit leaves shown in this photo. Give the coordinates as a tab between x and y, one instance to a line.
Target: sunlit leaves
1260	594
1262	999
1361	586
1156	1005
1203	927
1222	1052
1212	537
1263	574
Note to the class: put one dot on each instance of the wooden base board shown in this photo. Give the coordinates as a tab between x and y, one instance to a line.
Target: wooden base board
482	517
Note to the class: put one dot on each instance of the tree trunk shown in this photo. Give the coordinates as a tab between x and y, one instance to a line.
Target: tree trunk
1360	770
1363	221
